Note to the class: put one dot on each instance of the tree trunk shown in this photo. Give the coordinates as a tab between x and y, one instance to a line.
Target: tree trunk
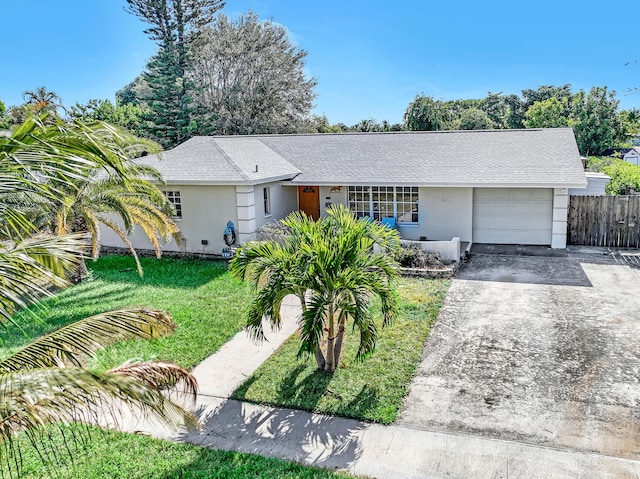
330	366
339	338
320	361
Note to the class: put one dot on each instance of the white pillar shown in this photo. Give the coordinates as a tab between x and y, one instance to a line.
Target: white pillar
560	212
246	206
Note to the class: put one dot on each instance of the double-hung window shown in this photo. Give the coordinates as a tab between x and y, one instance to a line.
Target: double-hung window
176	203
378	202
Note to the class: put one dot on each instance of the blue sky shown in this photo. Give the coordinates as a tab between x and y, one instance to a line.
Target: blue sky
370	57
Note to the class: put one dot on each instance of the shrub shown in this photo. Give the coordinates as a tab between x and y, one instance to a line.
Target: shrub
413	256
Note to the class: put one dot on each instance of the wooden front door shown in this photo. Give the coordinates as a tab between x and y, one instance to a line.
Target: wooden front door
309	201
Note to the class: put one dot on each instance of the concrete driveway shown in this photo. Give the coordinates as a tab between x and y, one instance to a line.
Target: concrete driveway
544	350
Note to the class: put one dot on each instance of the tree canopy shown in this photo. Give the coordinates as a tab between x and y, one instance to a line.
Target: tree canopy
175	25
248	77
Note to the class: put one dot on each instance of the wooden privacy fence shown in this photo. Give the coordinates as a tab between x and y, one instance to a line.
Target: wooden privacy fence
604	221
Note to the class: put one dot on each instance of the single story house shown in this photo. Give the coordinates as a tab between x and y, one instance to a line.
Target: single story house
630	155
492	186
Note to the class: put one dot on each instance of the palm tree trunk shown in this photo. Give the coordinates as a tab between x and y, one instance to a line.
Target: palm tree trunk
339	338
330	366
320	361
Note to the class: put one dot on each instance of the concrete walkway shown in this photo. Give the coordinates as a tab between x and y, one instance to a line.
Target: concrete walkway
361	448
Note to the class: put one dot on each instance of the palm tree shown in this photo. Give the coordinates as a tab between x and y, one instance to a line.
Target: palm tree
47	382
103	195
333	266
42	100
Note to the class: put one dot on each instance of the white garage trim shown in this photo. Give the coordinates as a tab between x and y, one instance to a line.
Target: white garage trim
513	215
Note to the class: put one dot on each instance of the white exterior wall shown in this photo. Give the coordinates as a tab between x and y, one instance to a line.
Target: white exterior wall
443	213
560	212
632	157
284	200
596	185
205	212
328	198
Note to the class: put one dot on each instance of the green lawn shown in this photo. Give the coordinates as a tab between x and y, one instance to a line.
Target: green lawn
371	390
207	304
111	455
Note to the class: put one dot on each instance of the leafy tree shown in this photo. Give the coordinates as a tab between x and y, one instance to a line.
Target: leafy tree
550	113
597	125
125	115
546	92
426	114
47	382
631	120
249	77
175	25
333	269
474	119
625	178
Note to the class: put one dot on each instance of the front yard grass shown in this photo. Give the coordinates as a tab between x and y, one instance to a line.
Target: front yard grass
208	305
116	455
372	390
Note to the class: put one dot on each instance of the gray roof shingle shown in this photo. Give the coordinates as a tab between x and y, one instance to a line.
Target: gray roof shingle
532	157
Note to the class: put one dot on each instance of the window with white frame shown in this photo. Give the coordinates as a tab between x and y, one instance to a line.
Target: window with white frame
176	203
378	202
266	195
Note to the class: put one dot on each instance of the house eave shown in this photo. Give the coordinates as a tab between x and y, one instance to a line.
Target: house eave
249	182
576	184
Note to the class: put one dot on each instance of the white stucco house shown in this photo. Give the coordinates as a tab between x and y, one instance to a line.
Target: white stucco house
492	186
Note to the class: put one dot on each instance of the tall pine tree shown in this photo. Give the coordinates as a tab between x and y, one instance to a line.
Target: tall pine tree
175	26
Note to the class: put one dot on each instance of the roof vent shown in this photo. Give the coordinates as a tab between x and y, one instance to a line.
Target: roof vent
256	169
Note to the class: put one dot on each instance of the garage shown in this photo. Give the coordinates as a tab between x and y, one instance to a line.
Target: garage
512	215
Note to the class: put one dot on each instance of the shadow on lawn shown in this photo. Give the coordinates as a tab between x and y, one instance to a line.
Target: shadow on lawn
303	388
48	316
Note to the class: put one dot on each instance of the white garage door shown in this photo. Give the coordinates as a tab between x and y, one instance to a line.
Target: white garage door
512	215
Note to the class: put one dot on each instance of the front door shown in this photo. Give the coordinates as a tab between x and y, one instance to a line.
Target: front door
309	200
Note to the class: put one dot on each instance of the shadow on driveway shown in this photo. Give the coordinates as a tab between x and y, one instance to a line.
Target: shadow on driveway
525	269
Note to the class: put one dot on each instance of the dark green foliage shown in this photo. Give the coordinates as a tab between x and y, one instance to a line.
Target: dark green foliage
175	25
474	119
597	124
426	114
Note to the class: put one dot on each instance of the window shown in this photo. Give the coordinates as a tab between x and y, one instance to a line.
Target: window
176	204
377	202
266	194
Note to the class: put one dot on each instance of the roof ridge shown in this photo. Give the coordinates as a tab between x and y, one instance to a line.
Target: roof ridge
233	164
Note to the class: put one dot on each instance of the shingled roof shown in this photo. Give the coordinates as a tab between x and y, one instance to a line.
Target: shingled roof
544	158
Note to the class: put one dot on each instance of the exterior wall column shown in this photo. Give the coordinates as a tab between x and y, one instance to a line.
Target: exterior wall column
560	212
246	206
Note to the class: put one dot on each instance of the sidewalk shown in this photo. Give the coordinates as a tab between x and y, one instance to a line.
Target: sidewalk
361	448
